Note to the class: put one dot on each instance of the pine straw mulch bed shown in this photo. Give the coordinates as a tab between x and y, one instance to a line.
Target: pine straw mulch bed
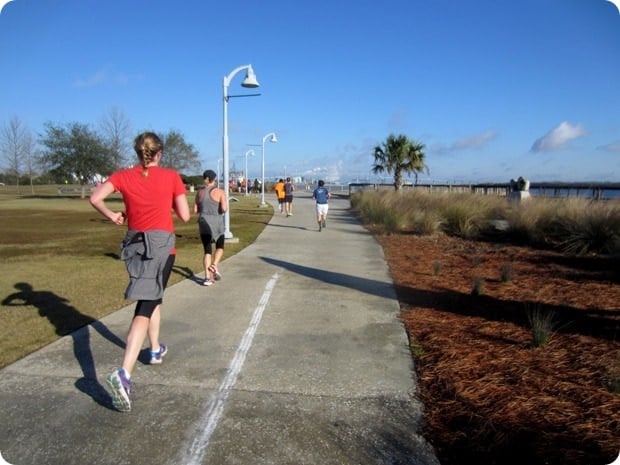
490	396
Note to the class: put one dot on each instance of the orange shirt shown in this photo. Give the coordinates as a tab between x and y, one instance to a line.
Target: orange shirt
279	188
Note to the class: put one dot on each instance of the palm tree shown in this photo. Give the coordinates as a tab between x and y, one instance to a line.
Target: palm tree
398	154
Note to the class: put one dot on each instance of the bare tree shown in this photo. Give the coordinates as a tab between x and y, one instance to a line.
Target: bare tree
116	129
16	147
29	159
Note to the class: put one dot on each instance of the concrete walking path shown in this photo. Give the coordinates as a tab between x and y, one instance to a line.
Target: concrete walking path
297	356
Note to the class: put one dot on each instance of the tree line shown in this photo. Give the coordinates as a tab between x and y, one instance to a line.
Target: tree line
79	153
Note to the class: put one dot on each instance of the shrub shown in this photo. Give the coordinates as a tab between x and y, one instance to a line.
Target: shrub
460	220
596	230
469	215
393	221
427	222
543	324
478	288
437	268
505	273
527	220
572	225
613	382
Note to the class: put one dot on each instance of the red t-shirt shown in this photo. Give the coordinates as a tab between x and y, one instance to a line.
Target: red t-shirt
148	200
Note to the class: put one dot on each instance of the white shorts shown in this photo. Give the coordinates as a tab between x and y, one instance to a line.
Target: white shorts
321	209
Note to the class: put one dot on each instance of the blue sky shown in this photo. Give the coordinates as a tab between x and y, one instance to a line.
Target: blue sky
495	89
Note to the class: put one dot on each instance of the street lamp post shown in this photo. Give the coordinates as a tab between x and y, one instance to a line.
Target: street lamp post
219	163
272	135
247	179
251	82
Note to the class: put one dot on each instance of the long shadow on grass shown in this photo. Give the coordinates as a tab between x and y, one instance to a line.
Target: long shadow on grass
603	324
68	320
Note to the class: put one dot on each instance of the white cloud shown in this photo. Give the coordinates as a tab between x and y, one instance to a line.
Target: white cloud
475	141
332	171
558	137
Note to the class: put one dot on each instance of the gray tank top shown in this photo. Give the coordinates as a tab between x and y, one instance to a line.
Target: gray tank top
210	220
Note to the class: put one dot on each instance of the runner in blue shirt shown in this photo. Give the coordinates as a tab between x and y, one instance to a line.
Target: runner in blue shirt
321	195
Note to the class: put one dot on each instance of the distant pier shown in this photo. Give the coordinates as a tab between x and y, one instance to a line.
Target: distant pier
596	191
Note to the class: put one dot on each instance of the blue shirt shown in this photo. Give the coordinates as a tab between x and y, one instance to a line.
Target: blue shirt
320	194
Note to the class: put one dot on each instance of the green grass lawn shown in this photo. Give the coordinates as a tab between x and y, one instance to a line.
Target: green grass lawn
59	257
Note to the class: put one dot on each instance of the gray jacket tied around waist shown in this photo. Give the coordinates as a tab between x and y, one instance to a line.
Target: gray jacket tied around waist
145	255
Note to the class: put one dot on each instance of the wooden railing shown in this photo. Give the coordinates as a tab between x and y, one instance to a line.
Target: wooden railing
596	191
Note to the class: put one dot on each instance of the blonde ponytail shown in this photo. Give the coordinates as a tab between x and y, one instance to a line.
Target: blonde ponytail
147	145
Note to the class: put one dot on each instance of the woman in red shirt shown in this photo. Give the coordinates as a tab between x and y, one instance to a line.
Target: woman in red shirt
149	193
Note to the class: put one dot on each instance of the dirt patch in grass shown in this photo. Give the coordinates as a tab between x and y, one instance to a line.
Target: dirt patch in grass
490	394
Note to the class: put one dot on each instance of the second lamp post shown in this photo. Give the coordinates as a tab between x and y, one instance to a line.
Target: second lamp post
251	82
262	187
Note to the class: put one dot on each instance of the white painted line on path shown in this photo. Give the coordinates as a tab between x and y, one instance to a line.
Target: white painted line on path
214	409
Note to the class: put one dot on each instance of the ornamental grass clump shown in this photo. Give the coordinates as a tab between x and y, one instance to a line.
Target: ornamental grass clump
595	230
478	287
393	221
425	222
505	273
469	215
437	268
424	215
613	381
395	212
364	203
527	221
543	324
575	226
459	221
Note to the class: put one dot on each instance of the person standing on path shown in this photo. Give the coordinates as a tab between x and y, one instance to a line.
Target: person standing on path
321	195
280	194
211	204
289	188
149	194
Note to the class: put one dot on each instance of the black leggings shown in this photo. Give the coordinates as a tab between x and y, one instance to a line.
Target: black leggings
147	307
207	240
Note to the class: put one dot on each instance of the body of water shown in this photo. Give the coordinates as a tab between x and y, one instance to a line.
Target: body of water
603	191
603	194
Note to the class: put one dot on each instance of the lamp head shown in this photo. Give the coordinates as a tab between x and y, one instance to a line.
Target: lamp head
273	138
250	79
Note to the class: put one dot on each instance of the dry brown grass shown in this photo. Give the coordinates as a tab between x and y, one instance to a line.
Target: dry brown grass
60	269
